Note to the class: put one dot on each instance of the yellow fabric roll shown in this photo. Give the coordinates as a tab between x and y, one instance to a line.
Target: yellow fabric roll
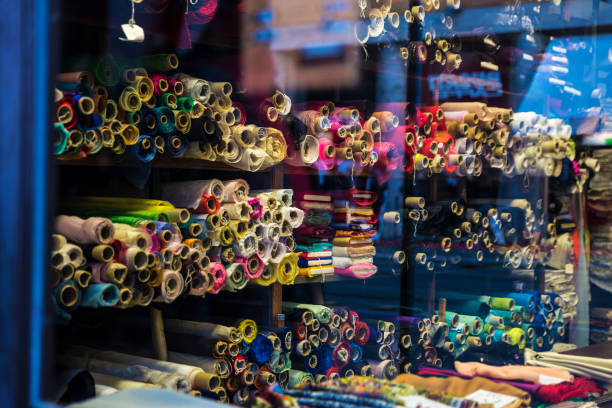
268	276
286	270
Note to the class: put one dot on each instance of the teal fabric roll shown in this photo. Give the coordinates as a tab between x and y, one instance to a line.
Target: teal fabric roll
61	139
100	295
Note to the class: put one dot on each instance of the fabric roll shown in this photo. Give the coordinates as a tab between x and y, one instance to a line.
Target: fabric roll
267	276
186	371
219	275
286	270
198	89
100	295
253	266
235	191
321	313
305	153
327	155
294	215
138	373
359	271
171	287
85	231
246	245
68	295
237	277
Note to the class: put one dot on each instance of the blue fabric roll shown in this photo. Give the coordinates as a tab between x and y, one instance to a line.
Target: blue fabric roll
527	300
140	153
261	349
171	150
244	348
60	294
325	359
100	295
148	122
356	353
74	87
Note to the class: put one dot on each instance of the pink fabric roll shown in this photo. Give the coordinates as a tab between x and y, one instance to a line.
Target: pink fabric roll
359	271
93	230
243	113
256	207
218	272
245	261
324	162
456	116
522	373
171	286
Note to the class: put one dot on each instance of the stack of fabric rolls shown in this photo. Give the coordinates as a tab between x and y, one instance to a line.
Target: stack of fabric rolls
389	22
249	231
355	223
315	235
478	324
334	343
131	252
484	231
228	363
140	113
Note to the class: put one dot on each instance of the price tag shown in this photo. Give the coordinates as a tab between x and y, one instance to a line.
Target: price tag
487	397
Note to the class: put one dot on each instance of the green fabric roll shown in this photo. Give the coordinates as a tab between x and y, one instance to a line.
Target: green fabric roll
297	377
121	219
475	328
185	104
237	278
163	100
106	71
320	312
61	140
502	303
158	63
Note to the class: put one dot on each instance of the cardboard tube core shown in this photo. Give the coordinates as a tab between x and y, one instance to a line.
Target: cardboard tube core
69	296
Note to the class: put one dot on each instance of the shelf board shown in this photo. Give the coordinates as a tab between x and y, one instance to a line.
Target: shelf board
104	160
299	280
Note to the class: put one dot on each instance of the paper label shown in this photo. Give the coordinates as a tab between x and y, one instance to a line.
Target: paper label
417	401
547	380
487	397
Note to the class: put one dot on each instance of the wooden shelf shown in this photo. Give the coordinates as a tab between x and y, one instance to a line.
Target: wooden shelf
104	160
299	280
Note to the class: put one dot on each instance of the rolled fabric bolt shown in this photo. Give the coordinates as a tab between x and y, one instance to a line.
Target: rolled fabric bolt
414	202
72	255
83	231
68	295
82	278
392	217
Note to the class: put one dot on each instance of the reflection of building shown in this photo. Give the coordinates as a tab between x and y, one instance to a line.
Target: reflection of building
299	45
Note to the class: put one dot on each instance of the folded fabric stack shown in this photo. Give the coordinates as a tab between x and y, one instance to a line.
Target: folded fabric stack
314	236
355	223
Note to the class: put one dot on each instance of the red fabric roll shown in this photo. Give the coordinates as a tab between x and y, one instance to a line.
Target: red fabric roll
362	333
68	101
203	205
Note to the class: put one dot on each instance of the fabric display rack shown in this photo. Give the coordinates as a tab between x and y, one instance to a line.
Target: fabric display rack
220	240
